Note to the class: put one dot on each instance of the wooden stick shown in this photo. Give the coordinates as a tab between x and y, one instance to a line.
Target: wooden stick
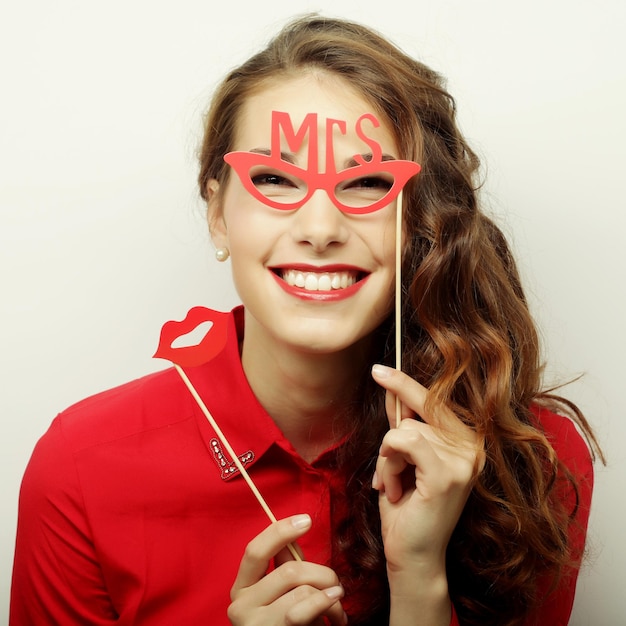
398	299
233	455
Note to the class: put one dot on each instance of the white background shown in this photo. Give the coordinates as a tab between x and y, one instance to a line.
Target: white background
102	237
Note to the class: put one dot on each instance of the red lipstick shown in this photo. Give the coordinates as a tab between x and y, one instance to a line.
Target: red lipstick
334	295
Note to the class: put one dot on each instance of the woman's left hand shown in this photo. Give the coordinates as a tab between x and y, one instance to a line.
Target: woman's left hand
424	475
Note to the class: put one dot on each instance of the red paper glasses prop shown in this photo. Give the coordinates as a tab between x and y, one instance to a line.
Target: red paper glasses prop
370	181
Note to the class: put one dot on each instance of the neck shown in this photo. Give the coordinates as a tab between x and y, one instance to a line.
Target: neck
305	393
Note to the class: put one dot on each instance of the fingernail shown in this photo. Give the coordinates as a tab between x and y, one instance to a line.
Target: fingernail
334	593
375	481
301	521
381	371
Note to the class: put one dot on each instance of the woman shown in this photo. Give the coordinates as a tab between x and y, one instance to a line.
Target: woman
473	510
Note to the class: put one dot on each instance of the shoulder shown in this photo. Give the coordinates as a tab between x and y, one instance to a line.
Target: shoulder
100	438
575	480
566	439
147	403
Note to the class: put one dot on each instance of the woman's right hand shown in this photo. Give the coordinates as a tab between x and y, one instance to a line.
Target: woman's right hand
295	593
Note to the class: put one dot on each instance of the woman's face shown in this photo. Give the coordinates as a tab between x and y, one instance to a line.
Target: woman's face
315	278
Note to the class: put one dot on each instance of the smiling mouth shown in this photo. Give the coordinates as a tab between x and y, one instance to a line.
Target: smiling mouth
320	281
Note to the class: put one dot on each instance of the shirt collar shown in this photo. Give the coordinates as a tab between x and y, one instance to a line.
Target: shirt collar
222	385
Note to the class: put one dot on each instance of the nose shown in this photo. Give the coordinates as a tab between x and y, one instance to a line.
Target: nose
319	223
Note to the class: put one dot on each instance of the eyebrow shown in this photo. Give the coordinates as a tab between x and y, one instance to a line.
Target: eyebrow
367	157
351	162
285	156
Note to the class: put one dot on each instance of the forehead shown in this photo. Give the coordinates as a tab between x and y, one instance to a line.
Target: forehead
329	96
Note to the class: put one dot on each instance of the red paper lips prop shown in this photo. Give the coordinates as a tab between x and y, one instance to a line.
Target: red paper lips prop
193	355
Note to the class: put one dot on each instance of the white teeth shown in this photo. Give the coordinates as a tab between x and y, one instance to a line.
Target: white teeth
324	283
312	281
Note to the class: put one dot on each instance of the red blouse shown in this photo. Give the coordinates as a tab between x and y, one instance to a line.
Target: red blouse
131	513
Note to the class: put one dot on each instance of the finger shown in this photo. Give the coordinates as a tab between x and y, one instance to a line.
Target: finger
401	447
304	605
285	554
286	584
400	451
390	409
388	477
414	396
260	551
437	468
316	603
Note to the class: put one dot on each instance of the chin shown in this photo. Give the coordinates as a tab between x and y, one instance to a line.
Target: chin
326	337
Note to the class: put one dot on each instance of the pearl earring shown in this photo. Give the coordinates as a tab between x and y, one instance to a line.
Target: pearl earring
221	254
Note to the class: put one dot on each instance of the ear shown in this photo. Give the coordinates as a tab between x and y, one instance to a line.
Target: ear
215	215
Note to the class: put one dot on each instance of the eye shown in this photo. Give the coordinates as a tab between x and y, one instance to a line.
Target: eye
276	185
364	191
369	182
270	179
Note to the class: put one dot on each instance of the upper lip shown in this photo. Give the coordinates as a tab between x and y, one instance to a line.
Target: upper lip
319	269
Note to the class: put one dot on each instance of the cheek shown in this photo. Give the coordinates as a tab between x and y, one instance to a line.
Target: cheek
251	227
238	215
382	237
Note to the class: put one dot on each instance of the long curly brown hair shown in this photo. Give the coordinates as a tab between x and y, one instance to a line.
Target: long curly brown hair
467	333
